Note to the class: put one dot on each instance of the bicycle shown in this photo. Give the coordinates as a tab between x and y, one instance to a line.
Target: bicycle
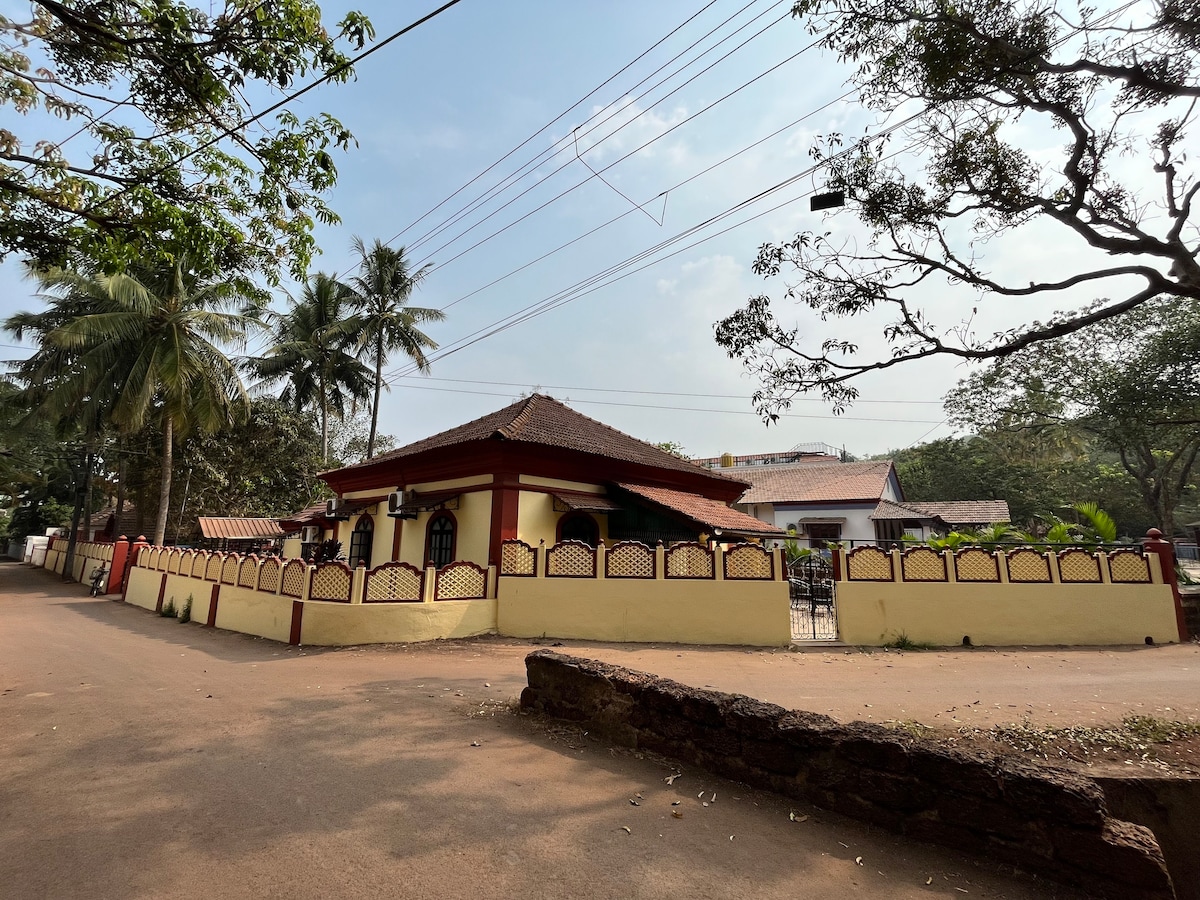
98	574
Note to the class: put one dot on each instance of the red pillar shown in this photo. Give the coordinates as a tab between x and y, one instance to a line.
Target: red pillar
134	549
120	565
1165	550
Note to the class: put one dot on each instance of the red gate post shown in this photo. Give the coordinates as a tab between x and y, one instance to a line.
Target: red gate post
1165	551
134	549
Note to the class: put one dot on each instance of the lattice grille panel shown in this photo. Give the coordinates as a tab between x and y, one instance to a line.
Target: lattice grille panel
748	562
331	581
248	572
1028	566
268	575
1128	567
690	561
161	563
1078	566
229	569
152	558
461	581
143	559
199	565
629	559
868	564
923	564
571	559
976	565
173	562
294	574
213	571
394	582
517	558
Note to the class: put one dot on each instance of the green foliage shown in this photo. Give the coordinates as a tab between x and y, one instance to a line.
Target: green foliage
315	354
168	610
903	642
991	78
163	179
185	614
1129	387
674	448
383	287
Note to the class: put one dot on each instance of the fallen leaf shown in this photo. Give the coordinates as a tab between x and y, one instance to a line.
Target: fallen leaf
670	779
929	880
858	860
476	744
633	802
626	829
678	814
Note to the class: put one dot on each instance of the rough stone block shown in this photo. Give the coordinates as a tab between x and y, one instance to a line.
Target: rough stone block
1121	859
753	718
1043	792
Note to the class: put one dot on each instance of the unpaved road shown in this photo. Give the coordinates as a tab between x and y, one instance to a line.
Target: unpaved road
143	758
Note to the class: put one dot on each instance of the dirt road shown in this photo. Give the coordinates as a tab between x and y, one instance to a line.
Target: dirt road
143	758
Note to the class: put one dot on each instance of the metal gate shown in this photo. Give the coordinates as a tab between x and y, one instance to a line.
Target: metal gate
812	589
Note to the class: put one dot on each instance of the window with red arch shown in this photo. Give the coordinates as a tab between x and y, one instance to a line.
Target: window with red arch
579	526
440	538
360	542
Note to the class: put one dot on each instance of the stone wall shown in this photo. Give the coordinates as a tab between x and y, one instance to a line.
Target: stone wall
1038	818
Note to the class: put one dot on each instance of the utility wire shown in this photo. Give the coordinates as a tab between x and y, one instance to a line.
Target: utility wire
564	144
605	390
295	95
527	140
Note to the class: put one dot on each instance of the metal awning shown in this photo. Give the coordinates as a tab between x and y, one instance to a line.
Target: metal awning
578	501
232	528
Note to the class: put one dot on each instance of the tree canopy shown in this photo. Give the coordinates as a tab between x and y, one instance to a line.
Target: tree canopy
166	158
1130	386
972	89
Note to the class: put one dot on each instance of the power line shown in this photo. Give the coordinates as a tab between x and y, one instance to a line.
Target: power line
527	140
270	109
611	165
703	396
731	412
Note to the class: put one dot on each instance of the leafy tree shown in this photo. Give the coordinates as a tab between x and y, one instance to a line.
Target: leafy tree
1130	382
348	442
142	347
316	353
384	285
986	79
37	477
169	164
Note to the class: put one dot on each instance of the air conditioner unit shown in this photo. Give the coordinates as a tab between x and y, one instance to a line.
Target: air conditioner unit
336	509
402	505
310	534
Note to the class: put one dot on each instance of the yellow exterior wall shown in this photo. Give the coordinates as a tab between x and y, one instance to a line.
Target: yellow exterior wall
291	548
537	520
339	624
143	587
474	520
180	587
874	613
254	612
677	611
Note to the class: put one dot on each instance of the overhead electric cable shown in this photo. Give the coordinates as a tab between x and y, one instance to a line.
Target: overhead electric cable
563	144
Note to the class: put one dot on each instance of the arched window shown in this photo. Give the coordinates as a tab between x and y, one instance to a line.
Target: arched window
360	543
579	526
439	540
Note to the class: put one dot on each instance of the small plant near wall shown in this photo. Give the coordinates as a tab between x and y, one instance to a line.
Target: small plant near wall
168	611
185	614
903	642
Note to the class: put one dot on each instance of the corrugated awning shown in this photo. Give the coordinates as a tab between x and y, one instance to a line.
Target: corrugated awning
578	501
240	529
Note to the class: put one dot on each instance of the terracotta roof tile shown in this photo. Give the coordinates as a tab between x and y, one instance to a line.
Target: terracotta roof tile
813	482
964	512
706	512
539	419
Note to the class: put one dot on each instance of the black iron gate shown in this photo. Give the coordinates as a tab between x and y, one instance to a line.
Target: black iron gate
814	613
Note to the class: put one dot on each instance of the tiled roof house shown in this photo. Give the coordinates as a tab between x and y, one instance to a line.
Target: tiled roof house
823	500
536	471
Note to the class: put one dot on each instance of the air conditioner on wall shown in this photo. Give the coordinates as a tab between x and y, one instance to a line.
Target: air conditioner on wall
336	509
310	534
401	505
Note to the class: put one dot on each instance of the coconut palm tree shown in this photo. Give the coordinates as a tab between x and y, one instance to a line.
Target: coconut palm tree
383	287
142	346
316	353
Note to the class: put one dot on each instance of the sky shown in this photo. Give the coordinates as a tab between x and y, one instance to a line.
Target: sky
635	349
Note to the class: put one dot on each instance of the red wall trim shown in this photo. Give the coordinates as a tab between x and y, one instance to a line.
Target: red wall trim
162	590
212	606
297	619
